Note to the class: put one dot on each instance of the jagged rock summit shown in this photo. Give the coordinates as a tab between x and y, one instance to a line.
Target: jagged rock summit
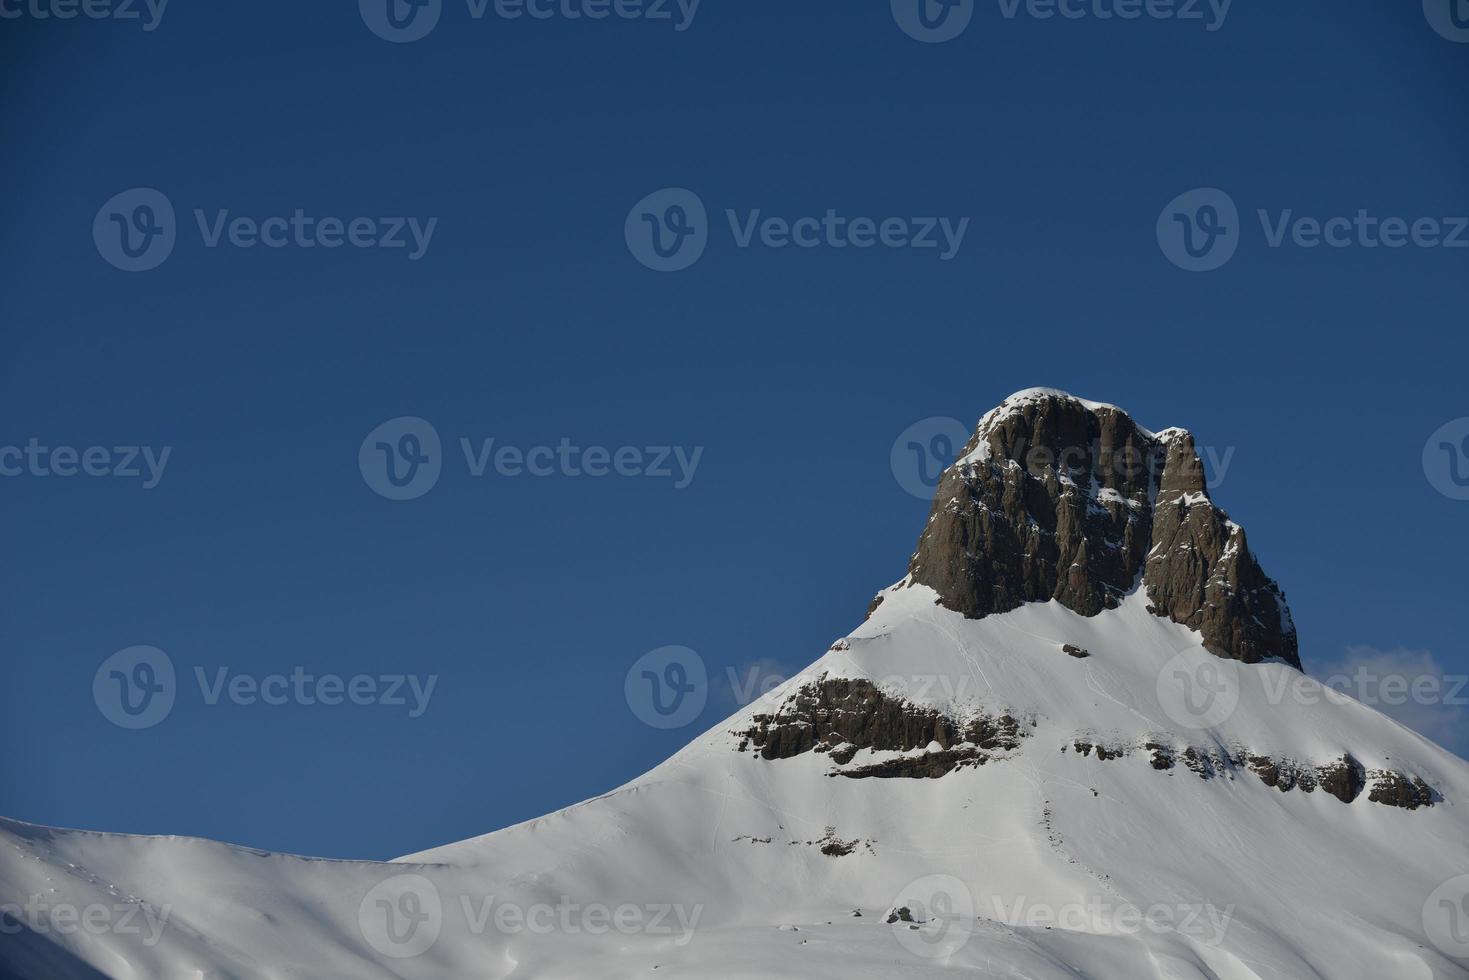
1056	497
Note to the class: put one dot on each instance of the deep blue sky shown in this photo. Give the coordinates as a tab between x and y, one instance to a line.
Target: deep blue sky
528	320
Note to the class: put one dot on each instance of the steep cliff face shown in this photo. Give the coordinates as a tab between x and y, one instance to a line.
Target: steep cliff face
1200	571
1059	498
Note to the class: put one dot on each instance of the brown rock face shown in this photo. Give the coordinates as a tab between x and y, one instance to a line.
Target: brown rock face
1398	789
841	716
1056	498
1200	571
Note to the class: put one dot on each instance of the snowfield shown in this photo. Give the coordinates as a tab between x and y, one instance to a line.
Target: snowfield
1042	863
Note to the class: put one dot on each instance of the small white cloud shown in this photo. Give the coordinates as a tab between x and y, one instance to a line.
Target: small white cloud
1409	686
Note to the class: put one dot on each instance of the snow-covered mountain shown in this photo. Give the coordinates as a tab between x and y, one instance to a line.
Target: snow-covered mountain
1073	741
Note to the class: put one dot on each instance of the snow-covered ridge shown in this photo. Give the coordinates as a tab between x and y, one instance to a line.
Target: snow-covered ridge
939	794
752	868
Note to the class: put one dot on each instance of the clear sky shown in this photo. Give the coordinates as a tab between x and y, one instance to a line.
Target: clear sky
527	313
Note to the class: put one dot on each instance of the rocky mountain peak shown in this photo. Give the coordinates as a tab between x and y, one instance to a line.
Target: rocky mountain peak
1055	497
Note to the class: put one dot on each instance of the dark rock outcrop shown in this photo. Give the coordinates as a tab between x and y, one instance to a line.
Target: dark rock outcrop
1049	500
834	846
1279	775
1161	756
1343	779
1056	498
1103	752
842	715
1396	789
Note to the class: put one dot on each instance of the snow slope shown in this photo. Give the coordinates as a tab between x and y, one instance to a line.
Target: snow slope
1042	863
